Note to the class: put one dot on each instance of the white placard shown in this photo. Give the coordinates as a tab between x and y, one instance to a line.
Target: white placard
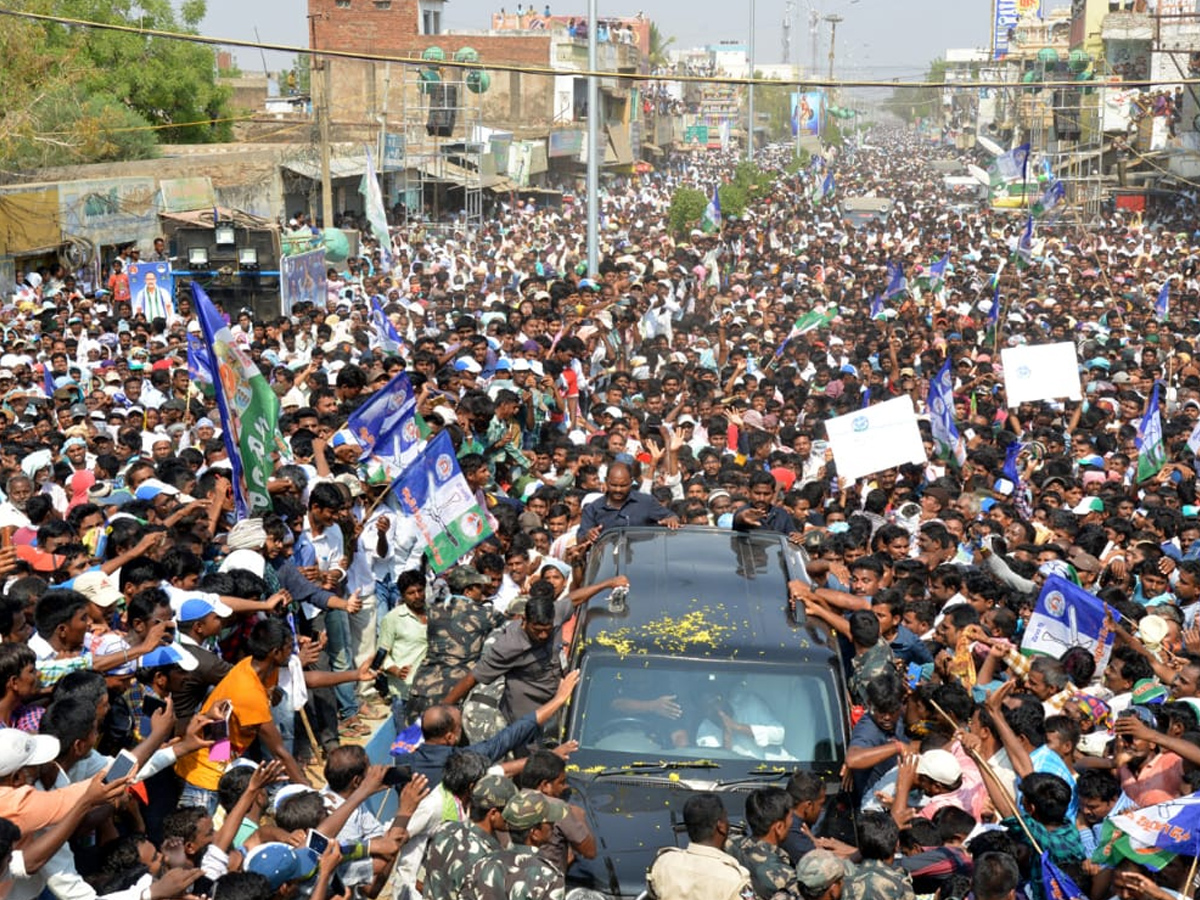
1041	372
876	438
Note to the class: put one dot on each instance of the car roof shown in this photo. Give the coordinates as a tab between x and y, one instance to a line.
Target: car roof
701	592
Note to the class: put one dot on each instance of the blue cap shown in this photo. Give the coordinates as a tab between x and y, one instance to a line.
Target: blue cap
503	364
279	863
193	609
168	655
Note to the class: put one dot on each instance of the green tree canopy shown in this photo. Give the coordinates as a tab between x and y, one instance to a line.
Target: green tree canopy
72	94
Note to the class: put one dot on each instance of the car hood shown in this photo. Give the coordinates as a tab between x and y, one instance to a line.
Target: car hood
633	817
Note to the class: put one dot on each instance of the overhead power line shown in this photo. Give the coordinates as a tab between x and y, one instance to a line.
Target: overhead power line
328	53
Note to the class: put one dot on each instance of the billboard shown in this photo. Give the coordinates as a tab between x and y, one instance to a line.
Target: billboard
110	210
808	113
152	288
303	279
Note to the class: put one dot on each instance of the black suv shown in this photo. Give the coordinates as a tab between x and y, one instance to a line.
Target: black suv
701	679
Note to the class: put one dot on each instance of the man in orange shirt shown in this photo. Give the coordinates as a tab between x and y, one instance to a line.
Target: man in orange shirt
246	692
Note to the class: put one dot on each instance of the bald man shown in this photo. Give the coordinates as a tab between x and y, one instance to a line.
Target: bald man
441	727
621	505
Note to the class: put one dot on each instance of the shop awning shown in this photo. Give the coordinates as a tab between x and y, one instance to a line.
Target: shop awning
339	167
618	141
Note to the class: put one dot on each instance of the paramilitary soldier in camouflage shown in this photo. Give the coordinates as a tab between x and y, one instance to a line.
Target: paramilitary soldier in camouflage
457	630
457	846
875	877
519	873
768	818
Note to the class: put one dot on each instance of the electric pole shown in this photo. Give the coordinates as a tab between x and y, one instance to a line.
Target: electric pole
833	21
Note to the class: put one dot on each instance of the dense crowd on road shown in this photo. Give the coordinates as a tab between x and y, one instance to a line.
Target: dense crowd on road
185	694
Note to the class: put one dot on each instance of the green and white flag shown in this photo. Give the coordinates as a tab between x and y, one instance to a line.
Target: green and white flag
1152	455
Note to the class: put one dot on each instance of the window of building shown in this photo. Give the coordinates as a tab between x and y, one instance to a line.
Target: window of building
343	4
431	16
383	4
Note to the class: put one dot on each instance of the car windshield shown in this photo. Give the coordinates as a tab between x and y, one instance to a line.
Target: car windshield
660	708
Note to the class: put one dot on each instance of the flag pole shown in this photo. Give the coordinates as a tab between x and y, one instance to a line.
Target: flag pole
1190	889
985	768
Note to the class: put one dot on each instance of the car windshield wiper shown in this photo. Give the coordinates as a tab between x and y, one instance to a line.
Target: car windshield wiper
661	765
756	776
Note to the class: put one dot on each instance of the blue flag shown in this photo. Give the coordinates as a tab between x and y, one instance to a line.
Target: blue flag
1025	244
1054	194
877	307
1150	834
828	187
1152	455
937	271
47	379
200	367
386	425
1162	306
385	338
1067	616
946	439
897	283
1056	884
1010	470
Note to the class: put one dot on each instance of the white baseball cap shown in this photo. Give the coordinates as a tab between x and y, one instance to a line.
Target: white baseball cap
19	749
98	587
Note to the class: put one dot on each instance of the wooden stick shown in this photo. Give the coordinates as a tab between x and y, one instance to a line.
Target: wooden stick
312	735
1190	888
985	767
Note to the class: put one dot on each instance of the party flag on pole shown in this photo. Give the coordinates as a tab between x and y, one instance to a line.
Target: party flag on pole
376	212
248	407
712	214
1152	455
1162	306
946	438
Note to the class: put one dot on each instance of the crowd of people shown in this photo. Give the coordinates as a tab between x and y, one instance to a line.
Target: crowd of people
185	693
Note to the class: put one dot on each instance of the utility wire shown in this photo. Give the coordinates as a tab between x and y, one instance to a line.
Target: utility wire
550	71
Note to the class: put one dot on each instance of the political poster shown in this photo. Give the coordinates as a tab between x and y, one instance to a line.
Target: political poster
876	438
152	289
303	279
1041	372
808	108
434	493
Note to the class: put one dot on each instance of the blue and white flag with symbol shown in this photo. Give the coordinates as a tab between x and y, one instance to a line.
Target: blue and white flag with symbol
947	441
1162	306
897	283
435	495
1067	616
385	337
385	427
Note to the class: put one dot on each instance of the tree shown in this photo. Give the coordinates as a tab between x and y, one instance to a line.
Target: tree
73	94
912	103
659	47
686	211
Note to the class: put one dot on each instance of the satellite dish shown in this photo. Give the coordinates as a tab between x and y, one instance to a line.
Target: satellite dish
989	145
337	245
979	175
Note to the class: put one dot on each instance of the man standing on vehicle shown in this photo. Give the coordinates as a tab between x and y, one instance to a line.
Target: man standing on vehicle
703	870
761	513
621	506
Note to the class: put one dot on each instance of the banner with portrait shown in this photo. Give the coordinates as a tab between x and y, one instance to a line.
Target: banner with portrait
303	279
152	289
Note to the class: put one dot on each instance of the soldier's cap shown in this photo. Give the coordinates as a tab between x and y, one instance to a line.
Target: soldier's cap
527	809
493	792
464	577
819	869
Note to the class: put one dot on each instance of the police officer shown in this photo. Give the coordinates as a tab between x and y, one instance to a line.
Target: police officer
457	846
519	873
702	871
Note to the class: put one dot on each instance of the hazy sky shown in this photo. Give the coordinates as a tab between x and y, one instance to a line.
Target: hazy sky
878	38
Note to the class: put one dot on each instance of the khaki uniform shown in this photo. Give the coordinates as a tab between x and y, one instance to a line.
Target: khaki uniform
698	873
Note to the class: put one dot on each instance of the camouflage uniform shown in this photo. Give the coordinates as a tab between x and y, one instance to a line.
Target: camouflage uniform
771	873
452	851
457	630
481	716
515	874
866	666
875	880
